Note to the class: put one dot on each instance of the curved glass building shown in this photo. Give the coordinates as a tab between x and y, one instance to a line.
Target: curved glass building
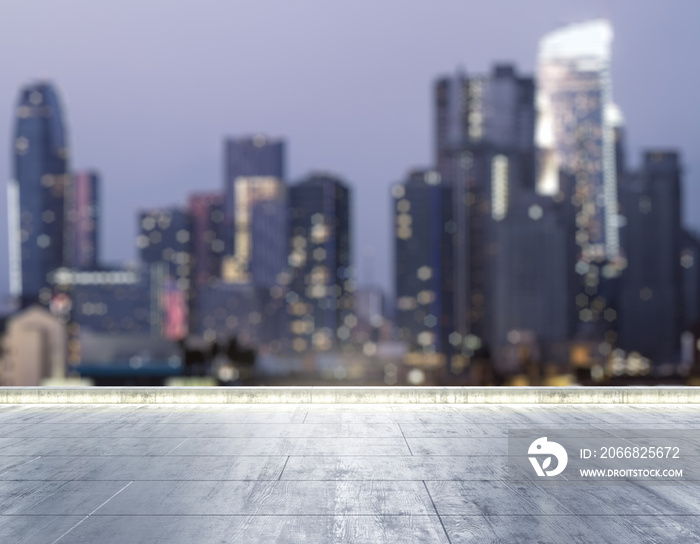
575	133
36	194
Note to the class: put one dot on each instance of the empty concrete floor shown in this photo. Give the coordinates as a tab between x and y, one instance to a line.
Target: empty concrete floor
316	474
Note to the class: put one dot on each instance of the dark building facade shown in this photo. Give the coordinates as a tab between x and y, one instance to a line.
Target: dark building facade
83	220
690	265
109	300
255	211
320	294
424	230
165	244
36	193
485	153
580	141
496	110
253	316
651	302
206	211
530	265
251	156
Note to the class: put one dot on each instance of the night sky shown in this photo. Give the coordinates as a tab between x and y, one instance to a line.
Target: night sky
150	89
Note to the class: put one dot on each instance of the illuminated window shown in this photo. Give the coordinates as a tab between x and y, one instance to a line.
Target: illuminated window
499	187
148	223
535	212
398	191
432	178
426	297
406	303
687	260
424	273
182	236
21	145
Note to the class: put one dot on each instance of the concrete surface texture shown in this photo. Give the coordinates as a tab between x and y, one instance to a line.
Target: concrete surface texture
293	473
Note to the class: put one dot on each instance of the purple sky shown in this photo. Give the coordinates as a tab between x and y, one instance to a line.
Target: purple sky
150	88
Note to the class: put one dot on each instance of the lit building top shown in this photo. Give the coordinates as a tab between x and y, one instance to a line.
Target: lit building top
579	41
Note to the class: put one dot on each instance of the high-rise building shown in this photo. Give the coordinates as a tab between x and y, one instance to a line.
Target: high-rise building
424	259
485	152
255	211
165	243
83	214
496	110
36	193
690	264
651	301
321	286
579	143
530	265
370	310
206	211
251	156
575	131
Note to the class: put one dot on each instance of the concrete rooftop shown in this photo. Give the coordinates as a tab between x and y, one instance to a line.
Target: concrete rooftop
317	473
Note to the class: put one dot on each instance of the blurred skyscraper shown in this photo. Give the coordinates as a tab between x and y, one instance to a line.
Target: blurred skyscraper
495	110
424	229
531	269
83	219
255	211
321	285
575	131
485	153
165	244
651	306
690	263
36	194
208	237
576	137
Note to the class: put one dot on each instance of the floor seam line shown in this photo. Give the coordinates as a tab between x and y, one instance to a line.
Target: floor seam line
284	467
405	439
442	524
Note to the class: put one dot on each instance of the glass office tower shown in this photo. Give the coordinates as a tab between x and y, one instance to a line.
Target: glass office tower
36	193
255	210
321	287
575	131
577	127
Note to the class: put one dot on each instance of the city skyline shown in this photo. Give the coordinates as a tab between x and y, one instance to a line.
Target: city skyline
323	142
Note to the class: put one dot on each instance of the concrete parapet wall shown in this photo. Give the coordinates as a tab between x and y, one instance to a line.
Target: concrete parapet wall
349	395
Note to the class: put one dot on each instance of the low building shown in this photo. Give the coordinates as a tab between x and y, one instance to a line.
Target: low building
34	348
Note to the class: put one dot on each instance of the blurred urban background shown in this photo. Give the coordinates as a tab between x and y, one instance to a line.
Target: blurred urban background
532	248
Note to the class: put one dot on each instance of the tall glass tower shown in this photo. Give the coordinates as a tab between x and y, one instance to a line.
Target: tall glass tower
576	140
255	209
321	288
575	132
36	193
